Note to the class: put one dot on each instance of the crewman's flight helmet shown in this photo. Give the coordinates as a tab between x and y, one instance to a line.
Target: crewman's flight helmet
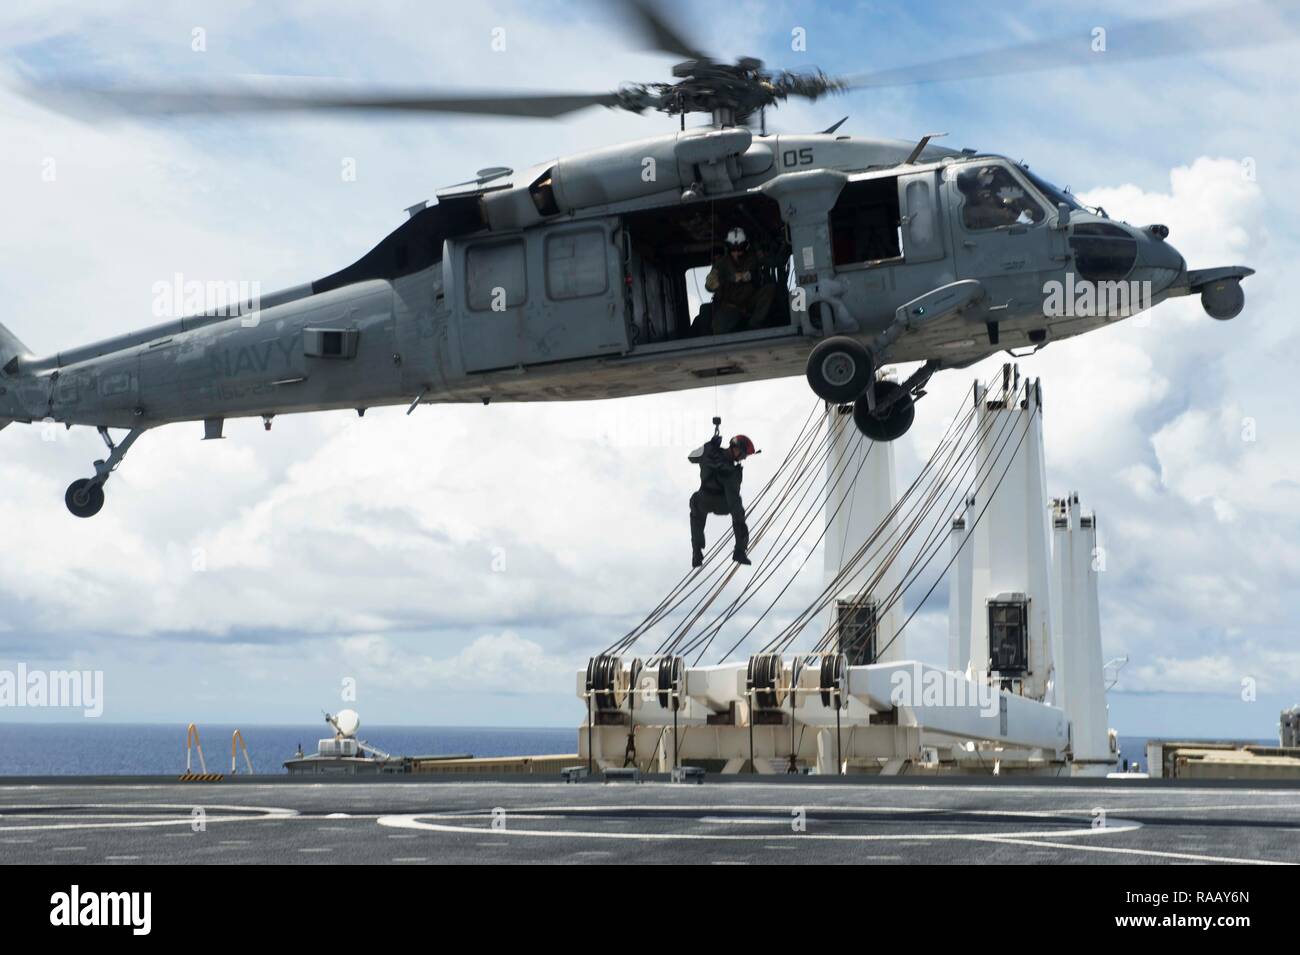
736	239
744	445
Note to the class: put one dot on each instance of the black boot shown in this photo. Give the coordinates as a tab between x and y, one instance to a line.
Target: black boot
741	558
697	557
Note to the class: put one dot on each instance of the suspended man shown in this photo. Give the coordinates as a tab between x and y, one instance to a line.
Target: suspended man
720	475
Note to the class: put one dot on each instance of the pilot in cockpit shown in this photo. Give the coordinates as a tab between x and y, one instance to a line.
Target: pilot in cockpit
994	199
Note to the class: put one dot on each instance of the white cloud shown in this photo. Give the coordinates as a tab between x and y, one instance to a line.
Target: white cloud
500	663
1245	671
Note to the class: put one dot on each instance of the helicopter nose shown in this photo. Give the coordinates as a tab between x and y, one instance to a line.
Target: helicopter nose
1158	262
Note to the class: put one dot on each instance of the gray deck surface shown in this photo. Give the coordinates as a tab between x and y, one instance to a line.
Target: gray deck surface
409	822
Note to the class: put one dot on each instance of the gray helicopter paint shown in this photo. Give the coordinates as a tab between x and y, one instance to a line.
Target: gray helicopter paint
165	329
560	296
420	335
730	160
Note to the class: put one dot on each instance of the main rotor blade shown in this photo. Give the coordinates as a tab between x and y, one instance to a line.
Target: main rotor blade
1205	31
90	101
647	18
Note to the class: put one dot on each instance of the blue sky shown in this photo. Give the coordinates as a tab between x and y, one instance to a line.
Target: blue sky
335	549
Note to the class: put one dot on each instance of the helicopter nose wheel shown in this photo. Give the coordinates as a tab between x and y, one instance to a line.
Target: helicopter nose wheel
840	369
891	416
84	497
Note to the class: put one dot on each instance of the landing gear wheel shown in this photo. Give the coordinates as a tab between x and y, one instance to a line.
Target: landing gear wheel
840	369
892	423
84	497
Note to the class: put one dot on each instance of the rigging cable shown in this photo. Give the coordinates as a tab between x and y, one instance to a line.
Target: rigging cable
966	538
683	589
932	541
705	638
905	503
768	519
932	510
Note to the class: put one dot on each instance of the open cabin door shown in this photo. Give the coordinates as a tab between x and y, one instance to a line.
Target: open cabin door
549	294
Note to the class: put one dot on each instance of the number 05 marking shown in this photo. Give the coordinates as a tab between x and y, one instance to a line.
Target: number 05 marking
797	157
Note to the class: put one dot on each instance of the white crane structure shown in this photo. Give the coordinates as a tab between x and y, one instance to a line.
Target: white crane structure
1023	691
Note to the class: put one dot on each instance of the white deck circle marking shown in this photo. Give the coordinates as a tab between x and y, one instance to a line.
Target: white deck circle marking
781	816
175	814
1190	857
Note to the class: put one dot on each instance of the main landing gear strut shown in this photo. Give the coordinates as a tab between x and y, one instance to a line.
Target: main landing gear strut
85	496
843	370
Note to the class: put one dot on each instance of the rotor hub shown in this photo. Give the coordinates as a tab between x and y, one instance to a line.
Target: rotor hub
740	89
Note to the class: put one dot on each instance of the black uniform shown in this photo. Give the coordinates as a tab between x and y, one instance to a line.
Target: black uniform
719	493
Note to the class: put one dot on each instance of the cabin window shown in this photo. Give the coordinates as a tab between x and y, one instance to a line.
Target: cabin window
1009	636
575	264
496	276
330	342
865	222
995	199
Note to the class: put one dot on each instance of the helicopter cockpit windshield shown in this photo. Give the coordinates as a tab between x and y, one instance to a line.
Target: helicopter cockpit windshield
1051	193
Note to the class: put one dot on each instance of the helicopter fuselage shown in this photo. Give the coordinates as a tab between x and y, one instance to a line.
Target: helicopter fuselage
573	281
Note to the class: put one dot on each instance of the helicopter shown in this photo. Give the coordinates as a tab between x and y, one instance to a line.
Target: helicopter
569	279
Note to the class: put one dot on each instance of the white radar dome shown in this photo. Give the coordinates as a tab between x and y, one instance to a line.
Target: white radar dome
348	722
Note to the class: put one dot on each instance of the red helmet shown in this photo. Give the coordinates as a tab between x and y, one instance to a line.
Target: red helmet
745	446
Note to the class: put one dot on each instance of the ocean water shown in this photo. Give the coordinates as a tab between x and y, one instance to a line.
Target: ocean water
130	749
1134	749
91	747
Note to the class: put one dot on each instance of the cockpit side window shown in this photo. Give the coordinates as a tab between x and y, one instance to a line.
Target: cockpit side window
995	199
